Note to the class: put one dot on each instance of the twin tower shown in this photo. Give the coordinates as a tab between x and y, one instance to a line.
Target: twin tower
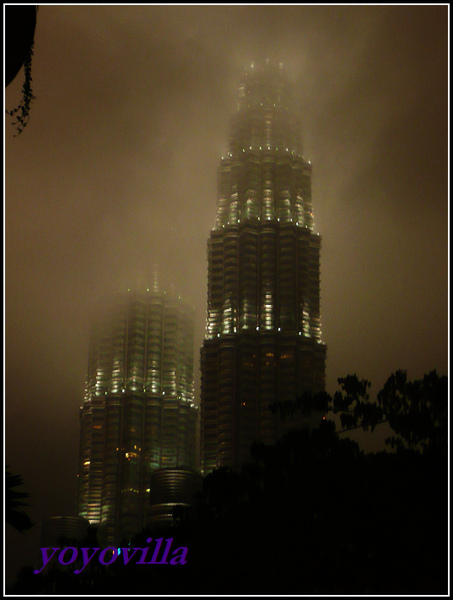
263	339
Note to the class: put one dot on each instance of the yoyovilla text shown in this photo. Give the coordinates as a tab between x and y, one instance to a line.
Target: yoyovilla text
107	556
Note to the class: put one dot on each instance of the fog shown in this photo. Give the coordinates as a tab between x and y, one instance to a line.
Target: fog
116	172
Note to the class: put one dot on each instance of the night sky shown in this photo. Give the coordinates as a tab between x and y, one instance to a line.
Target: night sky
117	171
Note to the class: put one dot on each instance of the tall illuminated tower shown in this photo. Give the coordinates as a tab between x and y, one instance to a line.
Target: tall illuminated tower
138	414
263	338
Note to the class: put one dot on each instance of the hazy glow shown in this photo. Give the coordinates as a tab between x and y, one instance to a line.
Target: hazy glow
117	170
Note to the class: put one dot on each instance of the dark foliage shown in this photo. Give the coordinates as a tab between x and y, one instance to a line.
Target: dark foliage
415	410
14	513
311	515
21	113
20	28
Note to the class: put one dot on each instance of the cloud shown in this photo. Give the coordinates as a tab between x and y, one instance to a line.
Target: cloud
117	170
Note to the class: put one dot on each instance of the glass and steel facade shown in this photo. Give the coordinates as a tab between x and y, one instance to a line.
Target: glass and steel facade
263	340
55	528
171	488
138	414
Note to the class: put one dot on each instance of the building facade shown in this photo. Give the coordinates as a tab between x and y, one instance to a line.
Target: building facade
138	414
170	488
69	528
263	340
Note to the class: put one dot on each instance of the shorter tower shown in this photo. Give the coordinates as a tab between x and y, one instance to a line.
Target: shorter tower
139	412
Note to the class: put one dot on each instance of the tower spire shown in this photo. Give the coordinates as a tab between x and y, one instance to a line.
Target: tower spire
156	282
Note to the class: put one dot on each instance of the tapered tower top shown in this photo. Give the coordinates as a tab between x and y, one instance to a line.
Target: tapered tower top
264	84
265	119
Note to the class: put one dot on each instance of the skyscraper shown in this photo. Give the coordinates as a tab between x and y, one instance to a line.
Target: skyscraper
138	414
263	339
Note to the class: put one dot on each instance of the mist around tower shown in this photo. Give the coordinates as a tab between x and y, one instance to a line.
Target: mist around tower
224	454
